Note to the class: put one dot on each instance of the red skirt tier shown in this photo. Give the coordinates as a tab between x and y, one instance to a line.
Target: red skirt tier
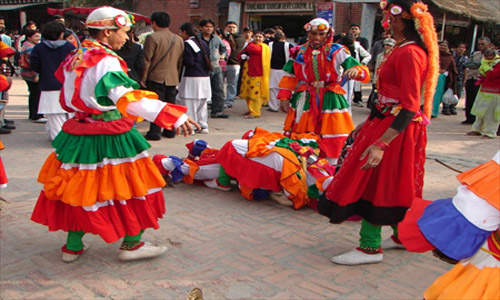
110	220
380	195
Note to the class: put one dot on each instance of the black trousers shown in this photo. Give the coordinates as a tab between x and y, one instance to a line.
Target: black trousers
166	93
33	100
470	96
358	97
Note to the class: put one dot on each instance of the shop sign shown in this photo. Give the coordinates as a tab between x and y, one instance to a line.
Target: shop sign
279	6
325	11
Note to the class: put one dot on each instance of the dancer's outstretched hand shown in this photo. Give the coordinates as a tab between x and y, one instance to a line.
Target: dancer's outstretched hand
187	127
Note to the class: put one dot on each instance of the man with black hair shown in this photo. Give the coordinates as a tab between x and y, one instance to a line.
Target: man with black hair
237	41
354	32
162	64
269	34
217	48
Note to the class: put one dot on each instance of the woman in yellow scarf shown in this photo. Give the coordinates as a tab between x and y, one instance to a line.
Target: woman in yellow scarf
255	79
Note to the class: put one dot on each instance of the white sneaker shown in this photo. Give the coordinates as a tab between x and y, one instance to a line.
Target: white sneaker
389	243
145	251
68	257
214	184
358	104
357	257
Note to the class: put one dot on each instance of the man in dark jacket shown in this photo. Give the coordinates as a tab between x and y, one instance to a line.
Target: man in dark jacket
162	64
45	59
217	48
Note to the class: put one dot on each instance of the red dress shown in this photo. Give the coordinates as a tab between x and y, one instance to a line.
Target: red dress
381	195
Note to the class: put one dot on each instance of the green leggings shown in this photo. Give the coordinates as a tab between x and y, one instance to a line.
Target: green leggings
74	240
223	178
370	235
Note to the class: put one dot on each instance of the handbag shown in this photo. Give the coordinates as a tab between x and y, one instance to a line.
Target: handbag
450	98
24	61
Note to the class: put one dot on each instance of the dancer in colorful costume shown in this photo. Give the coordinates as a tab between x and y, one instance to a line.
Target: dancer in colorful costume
311	92
100	178
464	228
261	162
384	170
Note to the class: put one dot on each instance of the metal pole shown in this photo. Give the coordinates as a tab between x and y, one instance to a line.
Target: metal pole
474	36
444	26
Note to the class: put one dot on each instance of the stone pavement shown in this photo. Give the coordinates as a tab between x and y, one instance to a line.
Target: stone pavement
229	247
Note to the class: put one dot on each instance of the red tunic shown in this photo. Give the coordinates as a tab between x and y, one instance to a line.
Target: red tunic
381	195
255	59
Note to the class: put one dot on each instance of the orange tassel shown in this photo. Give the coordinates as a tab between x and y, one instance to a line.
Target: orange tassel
424	24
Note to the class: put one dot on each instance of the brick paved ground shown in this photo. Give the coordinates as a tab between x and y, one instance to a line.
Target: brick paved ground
229	247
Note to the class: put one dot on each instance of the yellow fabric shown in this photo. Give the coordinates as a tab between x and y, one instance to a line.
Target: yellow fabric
483	181
254	107
255	88
133	96
110	182
466	282
266	72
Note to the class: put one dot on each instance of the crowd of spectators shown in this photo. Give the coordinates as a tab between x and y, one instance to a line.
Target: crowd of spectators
206	68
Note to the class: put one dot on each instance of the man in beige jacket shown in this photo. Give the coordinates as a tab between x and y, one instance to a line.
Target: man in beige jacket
162	64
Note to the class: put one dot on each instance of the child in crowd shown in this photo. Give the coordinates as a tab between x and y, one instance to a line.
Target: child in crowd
487	105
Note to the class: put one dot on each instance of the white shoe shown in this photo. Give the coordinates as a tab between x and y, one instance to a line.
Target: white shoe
389	243
68	257
357	257
214	184
145	251
358	104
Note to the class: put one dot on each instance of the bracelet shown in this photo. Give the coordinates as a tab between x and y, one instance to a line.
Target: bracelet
381	145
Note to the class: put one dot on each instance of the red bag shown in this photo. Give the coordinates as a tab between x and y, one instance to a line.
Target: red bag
24	61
